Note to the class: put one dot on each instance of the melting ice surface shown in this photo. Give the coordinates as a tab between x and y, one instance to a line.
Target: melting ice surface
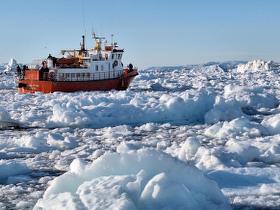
222	118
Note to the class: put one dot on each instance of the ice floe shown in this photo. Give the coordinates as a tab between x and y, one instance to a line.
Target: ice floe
141	179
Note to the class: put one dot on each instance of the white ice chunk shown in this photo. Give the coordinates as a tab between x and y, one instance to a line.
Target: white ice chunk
272	123
236	127
255	65
137	179
5	119
10	168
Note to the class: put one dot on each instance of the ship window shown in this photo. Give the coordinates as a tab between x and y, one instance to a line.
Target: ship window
72	75
102	67
78	75
119	56
112	56
83	75
109	66
96	67
88	75
67	75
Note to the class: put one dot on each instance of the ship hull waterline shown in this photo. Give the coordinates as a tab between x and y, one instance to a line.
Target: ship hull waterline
32	86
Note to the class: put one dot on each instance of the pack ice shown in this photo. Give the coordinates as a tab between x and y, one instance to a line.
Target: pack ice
169	142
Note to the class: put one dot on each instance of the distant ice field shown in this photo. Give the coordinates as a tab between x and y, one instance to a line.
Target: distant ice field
222	118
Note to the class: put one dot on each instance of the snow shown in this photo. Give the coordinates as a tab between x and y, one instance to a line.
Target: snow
135	179
210	116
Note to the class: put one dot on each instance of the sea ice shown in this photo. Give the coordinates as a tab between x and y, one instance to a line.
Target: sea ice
222	121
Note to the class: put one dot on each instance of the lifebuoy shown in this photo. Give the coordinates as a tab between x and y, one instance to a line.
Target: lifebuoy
115	63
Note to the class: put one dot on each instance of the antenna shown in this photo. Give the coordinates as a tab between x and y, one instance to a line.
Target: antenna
83	16
92	30
100	38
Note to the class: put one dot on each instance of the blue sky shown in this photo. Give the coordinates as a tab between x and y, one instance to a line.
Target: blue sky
153	32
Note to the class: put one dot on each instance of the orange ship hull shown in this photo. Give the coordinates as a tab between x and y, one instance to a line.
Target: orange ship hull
32	85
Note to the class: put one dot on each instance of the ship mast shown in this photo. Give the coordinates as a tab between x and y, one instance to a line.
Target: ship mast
98	42
83	47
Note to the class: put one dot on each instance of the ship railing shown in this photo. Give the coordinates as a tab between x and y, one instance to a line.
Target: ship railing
87	76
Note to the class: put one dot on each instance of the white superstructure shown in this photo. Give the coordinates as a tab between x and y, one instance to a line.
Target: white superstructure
104	61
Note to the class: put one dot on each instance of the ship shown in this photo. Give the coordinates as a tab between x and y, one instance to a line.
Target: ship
97	69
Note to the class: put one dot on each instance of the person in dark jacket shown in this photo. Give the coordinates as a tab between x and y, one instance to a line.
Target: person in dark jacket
44	67
24	68
130	67
18	72
44	70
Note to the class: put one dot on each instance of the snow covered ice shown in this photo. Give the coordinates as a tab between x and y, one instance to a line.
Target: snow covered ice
216	124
